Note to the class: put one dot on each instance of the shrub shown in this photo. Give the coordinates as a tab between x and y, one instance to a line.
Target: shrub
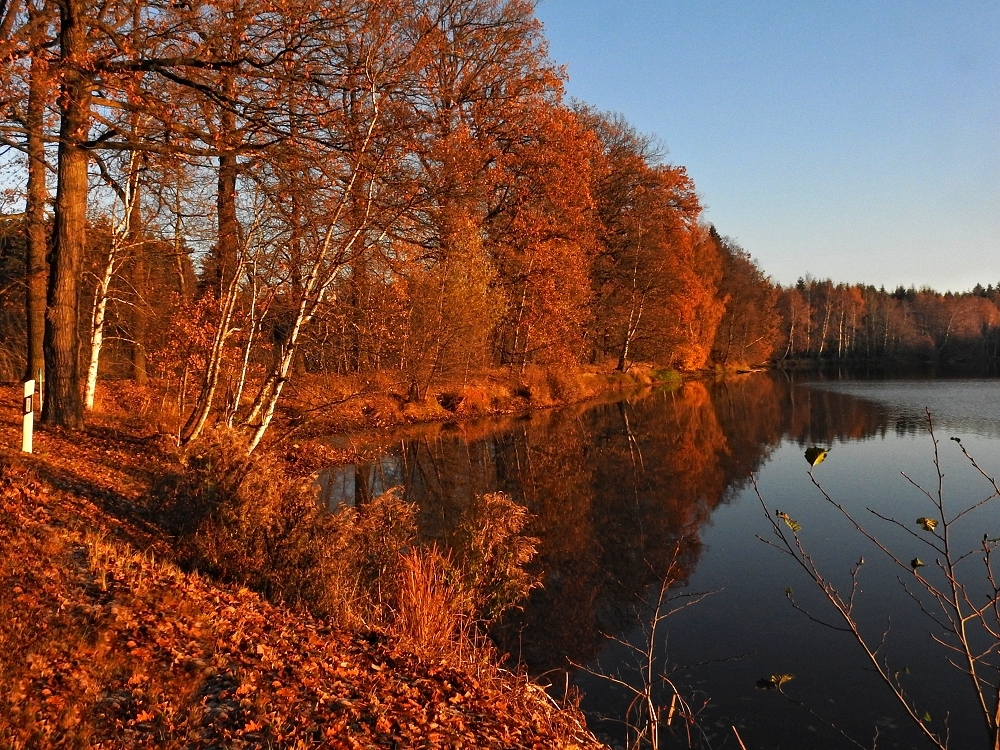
138	406
375	539
441	597
667	376
551	385
244	520
564	386
476	400
493	554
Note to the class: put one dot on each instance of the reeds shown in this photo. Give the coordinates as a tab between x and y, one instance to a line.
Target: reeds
433	612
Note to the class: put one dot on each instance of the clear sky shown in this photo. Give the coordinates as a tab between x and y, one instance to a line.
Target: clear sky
857	140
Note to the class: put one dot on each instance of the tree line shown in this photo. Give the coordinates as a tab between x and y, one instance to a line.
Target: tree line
228	194
823	320
223	195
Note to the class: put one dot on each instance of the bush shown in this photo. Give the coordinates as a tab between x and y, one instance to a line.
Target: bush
493	553
667	376
476	400
243	520
374	542
564	386
440	597
139	407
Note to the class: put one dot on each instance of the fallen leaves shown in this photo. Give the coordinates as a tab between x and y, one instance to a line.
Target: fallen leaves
109	646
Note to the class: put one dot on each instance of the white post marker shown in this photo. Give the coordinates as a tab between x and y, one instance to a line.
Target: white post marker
29	415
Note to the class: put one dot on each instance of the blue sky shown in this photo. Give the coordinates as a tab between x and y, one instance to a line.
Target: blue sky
853	140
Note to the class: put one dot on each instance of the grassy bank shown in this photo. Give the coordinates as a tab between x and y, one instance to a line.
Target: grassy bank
144	602
328	405
320	405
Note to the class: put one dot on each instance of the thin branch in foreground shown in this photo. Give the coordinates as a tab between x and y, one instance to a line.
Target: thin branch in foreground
961	621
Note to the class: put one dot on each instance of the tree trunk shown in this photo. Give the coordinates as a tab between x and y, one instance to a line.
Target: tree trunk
840	337
230	237
139	273
38	195
123	237
228	249
826	324
140	373
791	331
97	318
63	402
633	327
228	243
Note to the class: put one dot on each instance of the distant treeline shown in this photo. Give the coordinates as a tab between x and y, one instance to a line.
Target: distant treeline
823	320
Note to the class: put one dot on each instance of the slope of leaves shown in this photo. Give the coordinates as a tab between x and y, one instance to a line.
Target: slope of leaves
108	644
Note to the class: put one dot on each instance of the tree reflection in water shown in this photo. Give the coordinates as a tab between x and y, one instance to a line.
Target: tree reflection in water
616	489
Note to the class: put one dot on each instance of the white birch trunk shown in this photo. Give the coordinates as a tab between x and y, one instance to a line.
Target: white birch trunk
119	237
203	407
97	327
313	293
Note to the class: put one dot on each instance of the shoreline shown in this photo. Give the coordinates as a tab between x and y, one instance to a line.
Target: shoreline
124	648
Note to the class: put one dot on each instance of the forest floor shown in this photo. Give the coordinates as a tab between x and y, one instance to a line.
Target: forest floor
108	643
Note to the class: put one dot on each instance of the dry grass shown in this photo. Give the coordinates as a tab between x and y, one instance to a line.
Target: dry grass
112	561
326	404
433	609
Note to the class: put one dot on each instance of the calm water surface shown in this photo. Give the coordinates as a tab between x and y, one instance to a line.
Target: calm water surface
622	491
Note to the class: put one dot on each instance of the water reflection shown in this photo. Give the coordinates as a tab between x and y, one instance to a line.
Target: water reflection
354	484
619	490
615	490
967	405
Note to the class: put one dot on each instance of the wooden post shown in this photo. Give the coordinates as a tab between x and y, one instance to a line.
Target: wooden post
29	415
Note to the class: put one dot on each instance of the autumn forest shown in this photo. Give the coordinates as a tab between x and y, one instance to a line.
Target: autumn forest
222	196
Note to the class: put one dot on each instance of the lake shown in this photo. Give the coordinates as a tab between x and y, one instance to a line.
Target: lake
623	492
